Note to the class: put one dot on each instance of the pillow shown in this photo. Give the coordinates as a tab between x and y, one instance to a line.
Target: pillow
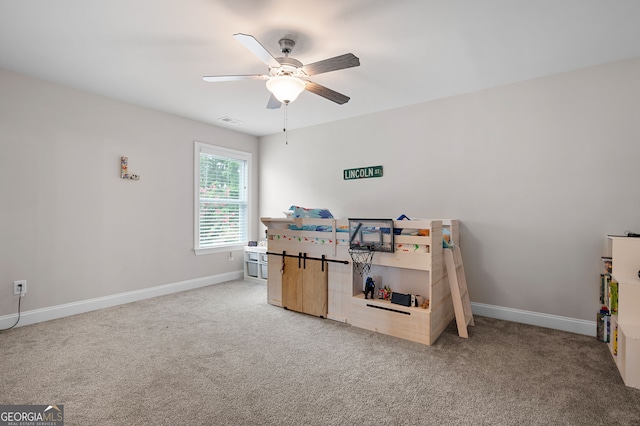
310	213
447	242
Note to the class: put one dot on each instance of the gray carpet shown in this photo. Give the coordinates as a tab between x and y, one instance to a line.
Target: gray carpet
221	355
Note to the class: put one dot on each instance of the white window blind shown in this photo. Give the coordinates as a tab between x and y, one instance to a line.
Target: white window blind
222	197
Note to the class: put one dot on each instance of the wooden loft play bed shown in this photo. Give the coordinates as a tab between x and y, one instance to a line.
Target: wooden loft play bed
310	270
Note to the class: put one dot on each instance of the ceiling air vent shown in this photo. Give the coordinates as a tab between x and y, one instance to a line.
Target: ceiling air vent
229	120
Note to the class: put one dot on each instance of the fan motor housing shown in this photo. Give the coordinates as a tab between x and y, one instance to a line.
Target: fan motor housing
288	66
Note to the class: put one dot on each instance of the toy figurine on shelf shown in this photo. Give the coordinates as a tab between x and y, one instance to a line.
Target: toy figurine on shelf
384	293
369	288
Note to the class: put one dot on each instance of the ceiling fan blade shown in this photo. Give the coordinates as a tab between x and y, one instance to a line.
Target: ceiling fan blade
257	49
332	95
217	78
347	60
273	103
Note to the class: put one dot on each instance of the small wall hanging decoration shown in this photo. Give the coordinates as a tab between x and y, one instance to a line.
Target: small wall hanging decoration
124	169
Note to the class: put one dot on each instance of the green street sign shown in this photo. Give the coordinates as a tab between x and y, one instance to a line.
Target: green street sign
363	172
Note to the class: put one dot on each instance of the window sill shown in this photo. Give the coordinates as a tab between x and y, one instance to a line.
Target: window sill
222	249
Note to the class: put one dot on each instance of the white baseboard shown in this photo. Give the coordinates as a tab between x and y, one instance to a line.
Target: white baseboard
80	307
535	318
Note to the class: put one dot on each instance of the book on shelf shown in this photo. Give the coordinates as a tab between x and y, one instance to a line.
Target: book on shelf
613	297
609	293
603	324
604	289
609	301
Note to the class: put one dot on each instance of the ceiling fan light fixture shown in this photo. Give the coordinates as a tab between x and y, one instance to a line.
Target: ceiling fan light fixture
285	87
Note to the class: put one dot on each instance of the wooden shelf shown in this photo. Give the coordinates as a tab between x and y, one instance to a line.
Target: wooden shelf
387	305
405	322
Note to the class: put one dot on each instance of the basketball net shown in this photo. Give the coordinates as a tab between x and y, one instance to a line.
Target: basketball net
361	258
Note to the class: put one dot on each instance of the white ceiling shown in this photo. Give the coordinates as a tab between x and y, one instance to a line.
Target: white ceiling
154	53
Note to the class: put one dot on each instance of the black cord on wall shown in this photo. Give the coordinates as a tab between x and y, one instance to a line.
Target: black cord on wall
16	323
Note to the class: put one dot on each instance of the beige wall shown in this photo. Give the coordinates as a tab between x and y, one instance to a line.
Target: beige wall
68	224
538	172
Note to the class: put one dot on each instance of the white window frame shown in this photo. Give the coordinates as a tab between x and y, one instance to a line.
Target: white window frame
200	147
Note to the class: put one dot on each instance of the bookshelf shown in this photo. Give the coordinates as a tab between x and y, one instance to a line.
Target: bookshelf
624	327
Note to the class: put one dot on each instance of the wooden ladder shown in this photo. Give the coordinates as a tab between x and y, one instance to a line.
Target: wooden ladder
459	291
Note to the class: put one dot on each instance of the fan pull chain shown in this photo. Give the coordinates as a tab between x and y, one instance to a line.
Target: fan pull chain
286	135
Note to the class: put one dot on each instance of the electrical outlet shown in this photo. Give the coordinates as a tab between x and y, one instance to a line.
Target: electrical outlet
230	256
20	287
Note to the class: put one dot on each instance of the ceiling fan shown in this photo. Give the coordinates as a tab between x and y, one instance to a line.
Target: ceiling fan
286	78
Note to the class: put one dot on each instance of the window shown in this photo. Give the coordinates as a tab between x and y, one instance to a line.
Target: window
221	198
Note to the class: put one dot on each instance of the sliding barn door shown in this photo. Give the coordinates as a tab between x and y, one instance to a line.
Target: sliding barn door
292	284
315	288
305	286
